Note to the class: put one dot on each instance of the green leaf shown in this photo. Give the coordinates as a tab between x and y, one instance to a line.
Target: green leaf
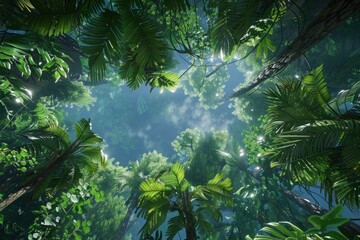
56	76
151	188
316	221
77	236
175	176
102	39
48	221
315	82
74	198
336	235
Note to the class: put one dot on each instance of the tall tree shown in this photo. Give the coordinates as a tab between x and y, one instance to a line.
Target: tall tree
172	192
65	162
315	137
326	20
149	165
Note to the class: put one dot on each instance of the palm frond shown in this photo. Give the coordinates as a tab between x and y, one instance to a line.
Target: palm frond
347	102
44	116
312	143
145	40
60	133
290	105
25	4
175	176
346	175
219	189
223	40
176	5
102	39
203	224
281	230
212	209
163	79
40	142
56	17
236	22
85	135
316	84
147	55
154	211
151	188
311	139
175	225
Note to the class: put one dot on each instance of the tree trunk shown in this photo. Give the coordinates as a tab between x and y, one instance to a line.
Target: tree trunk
189	217
125	222
190	233
337	11
33	183
13	197
349	229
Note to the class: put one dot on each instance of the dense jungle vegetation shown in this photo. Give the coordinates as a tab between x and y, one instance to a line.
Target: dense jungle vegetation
113	119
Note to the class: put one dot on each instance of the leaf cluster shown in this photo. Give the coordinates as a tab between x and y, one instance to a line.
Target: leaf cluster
315	138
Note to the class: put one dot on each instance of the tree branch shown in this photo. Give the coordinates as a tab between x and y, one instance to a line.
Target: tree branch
327	19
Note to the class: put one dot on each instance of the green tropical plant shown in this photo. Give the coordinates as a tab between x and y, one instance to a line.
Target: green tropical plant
204	162
315	137
149	165
171	192
65	216
238	22
319	231
63	162
209	90
55	17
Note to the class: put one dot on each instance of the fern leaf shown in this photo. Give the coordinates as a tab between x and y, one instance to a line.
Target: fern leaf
151	188
175	176
315	82
175	225
102	39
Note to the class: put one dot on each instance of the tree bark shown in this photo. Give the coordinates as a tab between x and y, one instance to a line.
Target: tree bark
38	178
337	11
349	229
189	217
13	197
125	222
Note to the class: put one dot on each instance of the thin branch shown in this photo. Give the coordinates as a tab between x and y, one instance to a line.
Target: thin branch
252	50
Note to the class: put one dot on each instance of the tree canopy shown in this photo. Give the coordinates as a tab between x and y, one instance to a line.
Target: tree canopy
128	119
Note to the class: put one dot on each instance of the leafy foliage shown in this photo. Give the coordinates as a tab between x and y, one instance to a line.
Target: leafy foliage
209	90
66	161
313	142
10	91
54	17
102	43
287	230
146	59
17	158
237	22
172	192
62	217
204	162
18	54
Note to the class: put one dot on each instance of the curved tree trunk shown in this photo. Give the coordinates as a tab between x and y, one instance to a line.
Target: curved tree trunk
337	11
